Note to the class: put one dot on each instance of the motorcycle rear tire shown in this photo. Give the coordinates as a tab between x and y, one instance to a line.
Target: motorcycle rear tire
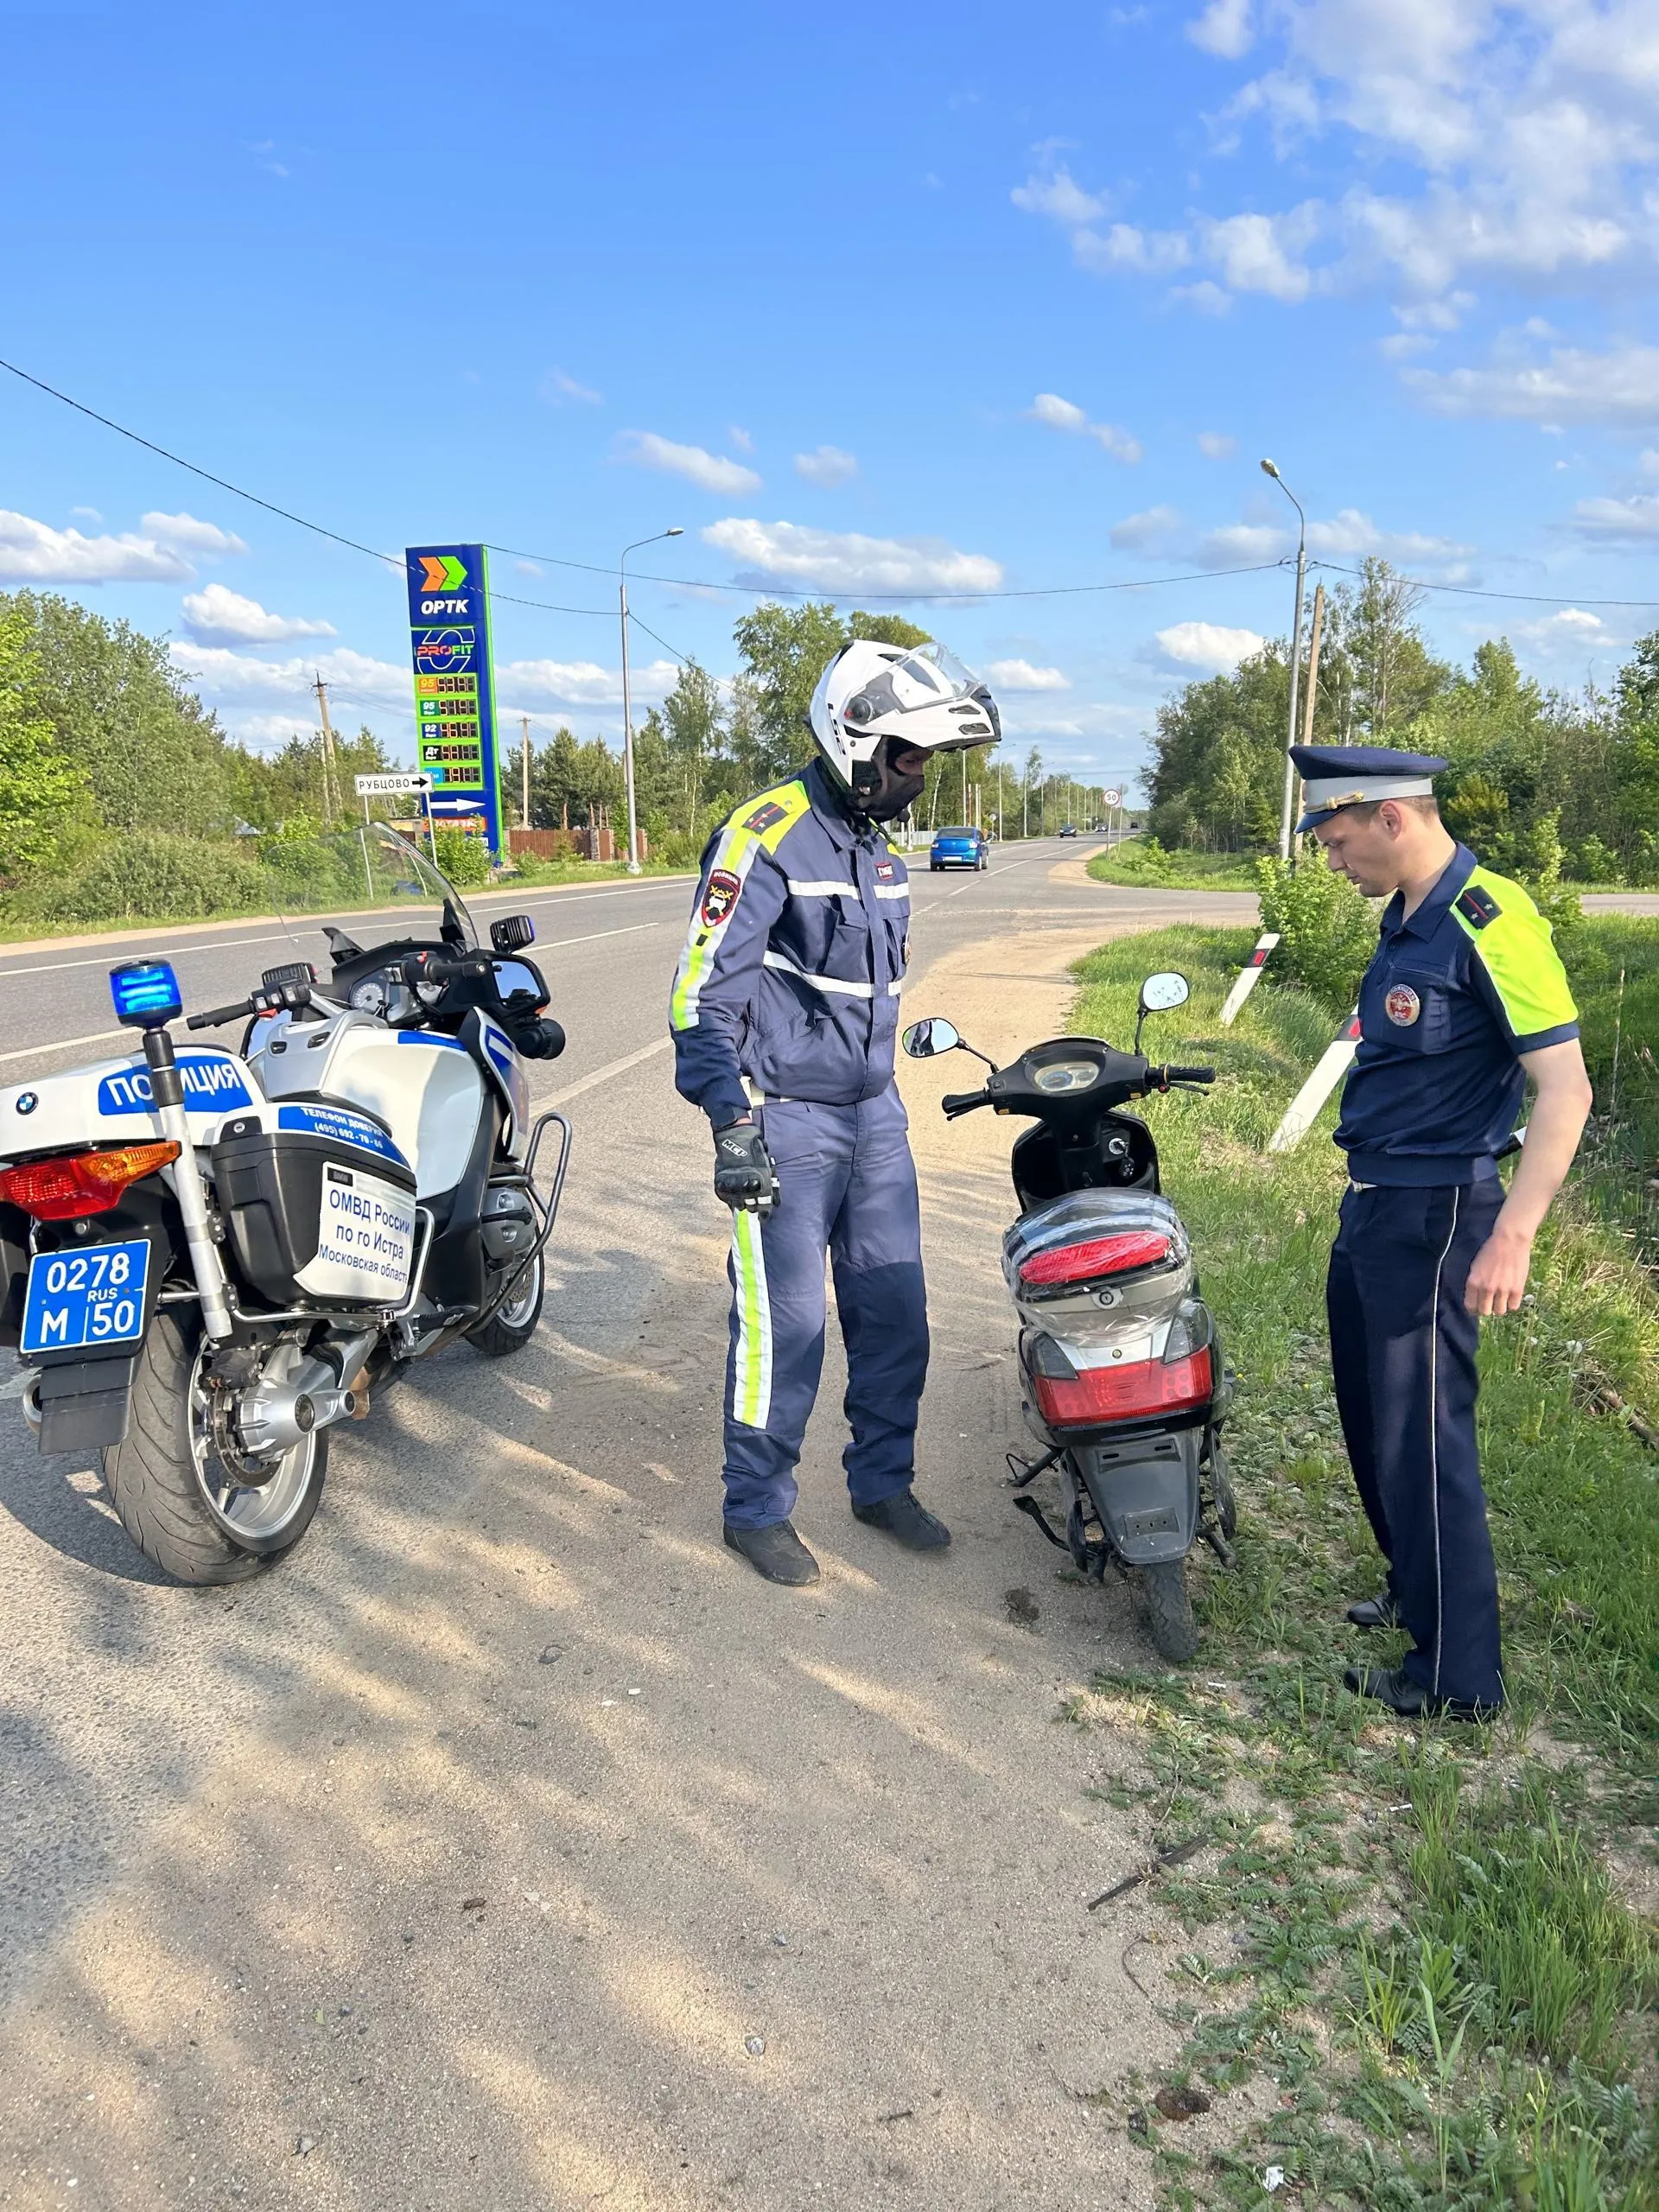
157	1487
511	1328
1169	1611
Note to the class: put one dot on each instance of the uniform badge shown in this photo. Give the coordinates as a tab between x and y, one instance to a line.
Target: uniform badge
764	818
1477	907
718	898
884	871
1402	1005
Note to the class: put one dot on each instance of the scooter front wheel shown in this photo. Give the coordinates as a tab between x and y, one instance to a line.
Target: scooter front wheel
1169	1611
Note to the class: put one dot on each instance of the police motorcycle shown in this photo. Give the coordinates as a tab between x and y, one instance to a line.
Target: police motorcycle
1124	1386
209	1257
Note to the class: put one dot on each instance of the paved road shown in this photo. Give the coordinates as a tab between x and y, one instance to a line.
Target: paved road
511	1662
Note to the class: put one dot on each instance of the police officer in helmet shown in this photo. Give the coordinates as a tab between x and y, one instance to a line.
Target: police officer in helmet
1464	1004
783	1015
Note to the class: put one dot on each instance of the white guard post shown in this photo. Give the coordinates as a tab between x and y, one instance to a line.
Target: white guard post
1249	978
1304	1109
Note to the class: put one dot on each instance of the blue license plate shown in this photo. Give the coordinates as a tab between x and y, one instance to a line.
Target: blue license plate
90	1297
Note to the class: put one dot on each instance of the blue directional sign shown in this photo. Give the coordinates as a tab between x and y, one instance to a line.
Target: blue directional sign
454	681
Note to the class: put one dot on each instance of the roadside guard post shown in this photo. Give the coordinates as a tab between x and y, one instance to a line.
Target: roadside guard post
455	683
1303	1108
1248	977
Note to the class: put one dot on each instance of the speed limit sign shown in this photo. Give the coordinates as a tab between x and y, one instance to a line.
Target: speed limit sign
1113	799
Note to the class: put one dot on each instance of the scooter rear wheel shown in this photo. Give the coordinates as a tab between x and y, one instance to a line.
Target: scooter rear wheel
1169	1611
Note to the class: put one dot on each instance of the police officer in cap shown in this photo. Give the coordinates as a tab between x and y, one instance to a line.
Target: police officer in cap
1464	1004
785	1011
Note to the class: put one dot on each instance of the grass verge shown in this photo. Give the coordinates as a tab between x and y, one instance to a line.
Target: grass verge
1141	861
1416	1943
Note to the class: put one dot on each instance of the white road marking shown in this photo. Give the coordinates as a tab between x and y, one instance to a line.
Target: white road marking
603	1075
65	1045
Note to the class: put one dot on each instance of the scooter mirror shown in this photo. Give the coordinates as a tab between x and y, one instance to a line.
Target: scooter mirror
924	1038
1161	992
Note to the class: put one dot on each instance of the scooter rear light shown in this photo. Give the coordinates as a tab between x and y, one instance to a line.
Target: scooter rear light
79	1182
1137	1392
1100	1255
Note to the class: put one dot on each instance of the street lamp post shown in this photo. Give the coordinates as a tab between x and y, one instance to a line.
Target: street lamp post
627	703
1270	468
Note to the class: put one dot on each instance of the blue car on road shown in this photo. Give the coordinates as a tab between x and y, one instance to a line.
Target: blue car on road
958	848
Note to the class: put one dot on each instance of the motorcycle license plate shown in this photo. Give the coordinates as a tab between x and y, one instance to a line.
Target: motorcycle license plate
94	1296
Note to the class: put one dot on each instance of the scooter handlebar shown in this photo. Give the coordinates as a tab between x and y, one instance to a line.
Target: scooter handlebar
956	1102
1162	1078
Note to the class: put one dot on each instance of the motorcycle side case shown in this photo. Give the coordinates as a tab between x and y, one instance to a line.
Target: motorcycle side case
319	1202
1146	1491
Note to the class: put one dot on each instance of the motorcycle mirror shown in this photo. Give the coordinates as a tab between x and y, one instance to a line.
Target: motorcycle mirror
924	1038
512	933
1161	992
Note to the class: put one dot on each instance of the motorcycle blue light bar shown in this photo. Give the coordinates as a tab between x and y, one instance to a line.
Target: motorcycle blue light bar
146	994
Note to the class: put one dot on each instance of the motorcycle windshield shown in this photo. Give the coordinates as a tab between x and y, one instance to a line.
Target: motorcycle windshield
366	865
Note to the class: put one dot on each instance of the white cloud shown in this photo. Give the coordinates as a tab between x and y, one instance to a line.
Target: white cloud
533	683
1021	675
740	438
1223	28
1570	630
32	552
235	676
827	466
1153	528
88	514
1057	414
558	390
1573	385
712	471
218	617
845	560
1241	545
1054	194
1216	445
1208	645
1263	253
1205	297
1348	535
1142	254
1634	521
189	536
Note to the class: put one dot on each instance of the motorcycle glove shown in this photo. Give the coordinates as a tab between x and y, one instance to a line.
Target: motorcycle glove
744	1175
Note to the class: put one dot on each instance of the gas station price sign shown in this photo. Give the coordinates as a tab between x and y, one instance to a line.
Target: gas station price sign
454	687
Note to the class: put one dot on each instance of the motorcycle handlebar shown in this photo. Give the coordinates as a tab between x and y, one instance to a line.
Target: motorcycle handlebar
216	1016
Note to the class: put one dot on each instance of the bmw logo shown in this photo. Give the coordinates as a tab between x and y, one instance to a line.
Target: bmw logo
28	1100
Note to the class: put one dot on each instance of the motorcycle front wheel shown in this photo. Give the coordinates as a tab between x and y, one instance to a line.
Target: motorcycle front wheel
1169	1611
177	1500
512	1326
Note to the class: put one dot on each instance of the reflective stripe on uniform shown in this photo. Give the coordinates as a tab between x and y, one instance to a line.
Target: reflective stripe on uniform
831	890
819	982
737	851
752	1394
887	890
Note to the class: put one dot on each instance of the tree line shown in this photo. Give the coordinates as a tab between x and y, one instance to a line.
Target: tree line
1537	779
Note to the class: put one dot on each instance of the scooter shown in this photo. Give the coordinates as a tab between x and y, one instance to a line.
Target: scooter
209	1258
1125	1387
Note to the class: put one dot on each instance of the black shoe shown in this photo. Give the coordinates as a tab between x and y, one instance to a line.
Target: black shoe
903	1517
1393	1687
777	1552
1380	1611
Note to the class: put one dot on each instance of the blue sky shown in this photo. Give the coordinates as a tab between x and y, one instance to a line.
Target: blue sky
925	299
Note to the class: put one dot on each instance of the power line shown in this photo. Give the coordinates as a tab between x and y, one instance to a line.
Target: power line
1475	591
681	657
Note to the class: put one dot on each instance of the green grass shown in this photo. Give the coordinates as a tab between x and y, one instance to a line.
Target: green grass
1178	870
1429	1957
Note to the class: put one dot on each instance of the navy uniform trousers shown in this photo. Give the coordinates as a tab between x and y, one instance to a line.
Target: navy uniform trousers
848	1187
1402	1350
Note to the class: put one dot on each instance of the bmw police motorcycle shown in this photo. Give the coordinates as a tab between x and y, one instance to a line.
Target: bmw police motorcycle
209	1257
1125	1388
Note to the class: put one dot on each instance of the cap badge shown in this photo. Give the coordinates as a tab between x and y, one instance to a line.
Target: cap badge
1402	1005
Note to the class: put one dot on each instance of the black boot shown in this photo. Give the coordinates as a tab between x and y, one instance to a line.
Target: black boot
905	1519
778	1553
1393	1687
1380	1611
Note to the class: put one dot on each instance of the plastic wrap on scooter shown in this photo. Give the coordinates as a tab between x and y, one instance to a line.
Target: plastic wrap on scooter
1113	1304
1082	1216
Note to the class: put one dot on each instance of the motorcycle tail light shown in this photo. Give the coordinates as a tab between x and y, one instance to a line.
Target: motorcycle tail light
1137	1392
1100	1255
79	1182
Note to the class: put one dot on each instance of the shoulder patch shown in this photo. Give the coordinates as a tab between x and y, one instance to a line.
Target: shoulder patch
1477	907
720	894
764	818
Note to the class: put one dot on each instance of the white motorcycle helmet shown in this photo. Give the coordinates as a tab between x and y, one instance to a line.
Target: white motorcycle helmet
875	700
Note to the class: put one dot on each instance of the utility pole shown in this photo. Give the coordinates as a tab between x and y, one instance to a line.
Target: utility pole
330	780
627	703
524	803
1270	468
1313	665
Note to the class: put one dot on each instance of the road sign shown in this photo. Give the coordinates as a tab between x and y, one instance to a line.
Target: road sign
384	786
1112	798
455	683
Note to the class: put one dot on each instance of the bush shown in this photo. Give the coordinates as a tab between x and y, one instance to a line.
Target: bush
1327	932
308	870
464	860
150	876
